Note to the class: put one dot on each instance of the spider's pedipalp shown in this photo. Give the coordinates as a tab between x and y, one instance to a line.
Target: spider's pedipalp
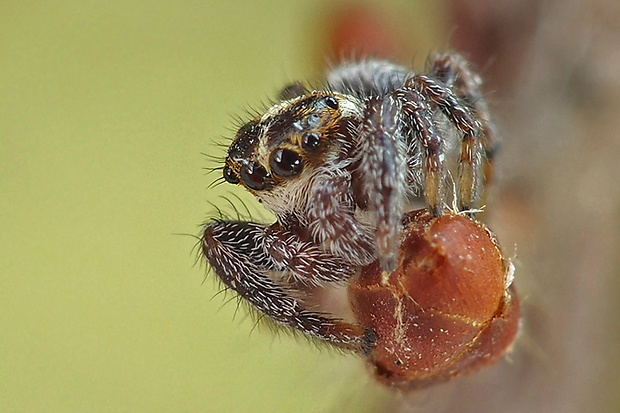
332	221
305	261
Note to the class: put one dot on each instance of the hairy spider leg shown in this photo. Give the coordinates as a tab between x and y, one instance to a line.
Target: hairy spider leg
420	123
454	71
238	256
383	172
441	96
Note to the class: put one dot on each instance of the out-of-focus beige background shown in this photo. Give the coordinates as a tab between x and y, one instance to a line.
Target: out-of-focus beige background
105	111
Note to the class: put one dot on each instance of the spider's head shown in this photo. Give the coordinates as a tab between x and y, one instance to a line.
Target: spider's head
281	150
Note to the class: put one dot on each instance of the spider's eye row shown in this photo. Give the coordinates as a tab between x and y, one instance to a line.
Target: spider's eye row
310	141
331	102
255	176
230	176
285	163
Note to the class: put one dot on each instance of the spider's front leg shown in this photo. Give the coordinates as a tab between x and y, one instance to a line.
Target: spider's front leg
237	253
383	174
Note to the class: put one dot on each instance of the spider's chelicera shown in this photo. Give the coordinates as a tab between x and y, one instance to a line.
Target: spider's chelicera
339	167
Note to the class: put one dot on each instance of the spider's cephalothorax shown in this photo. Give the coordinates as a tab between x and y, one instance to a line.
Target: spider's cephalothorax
338	167
277	155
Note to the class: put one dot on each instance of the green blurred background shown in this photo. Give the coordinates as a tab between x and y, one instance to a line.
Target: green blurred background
105	111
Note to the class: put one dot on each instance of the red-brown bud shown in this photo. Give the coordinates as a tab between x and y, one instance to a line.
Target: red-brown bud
447	309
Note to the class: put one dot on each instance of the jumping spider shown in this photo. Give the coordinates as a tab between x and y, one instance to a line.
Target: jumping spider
339	167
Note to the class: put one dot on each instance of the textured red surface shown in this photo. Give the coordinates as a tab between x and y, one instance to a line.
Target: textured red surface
445	310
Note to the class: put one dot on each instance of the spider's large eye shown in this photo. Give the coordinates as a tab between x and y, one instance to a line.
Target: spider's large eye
230	176
285	162
254	176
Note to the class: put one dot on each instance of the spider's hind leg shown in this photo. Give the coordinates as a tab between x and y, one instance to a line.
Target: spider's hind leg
440	95
419	124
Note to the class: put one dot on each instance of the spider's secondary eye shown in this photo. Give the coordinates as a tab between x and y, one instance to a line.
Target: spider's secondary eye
313	119
254	176
230	176
285	162
331	102
310	141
